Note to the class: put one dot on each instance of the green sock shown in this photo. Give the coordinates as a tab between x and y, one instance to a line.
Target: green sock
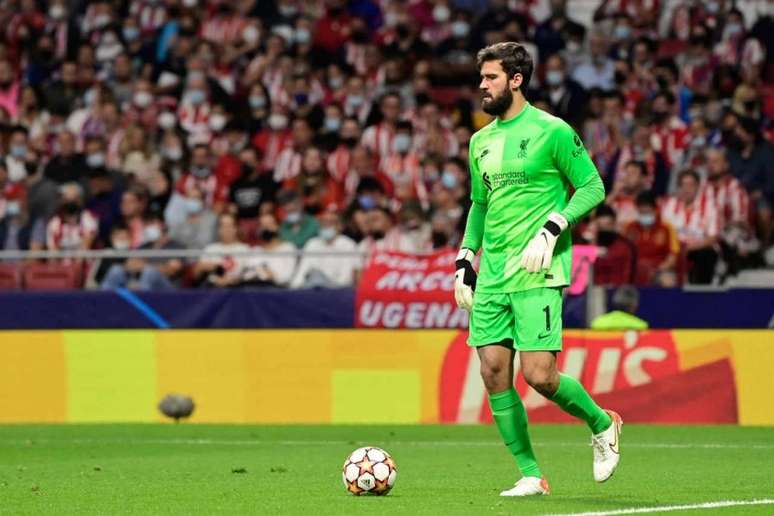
573	399
511	420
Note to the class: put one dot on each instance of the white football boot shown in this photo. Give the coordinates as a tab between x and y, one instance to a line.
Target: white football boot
528	486
606	448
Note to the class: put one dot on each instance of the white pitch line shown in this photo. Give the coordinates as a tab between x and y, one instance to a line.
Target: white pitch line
671	508
258	442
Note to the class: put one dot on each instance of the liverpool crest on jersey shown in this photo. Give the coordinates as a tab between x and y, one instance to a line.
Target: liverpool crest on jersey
523	148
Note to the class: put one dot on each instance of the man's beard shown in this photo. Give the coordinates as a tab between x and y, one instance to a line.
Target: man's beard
500	104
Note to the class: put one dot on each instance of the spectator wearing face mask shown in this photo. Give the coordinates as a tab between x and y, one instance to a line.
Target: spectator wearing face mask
72	227
402	167
254	188
141	273
338	161
222	270
336	267
598	70
618	262
628	185
656	242
563	93
17	230
442	234
201	177
193	224
297	227
195	108
379	233
274	137
275	266
18	156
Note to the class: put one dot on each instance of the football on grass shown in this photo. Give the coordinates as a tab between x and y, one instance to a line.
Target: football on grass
369	470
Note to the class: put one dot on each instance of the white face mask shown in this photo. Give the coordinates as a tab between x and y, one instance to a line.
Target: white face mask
172	153
328	234
57	12
278	121
12	208
441	13
460	29
217	122
143	99
401	143
151	233
167	120
554	77
302	36
250	35
95	160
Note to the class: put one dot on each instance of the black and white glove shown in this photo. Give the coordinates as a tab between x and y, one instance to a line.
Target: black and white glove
464	279
540	250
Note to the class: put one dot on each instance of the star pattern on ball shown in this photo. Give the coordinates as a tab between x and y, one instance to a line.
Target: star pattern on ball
390	462
381	486
353	488
366	466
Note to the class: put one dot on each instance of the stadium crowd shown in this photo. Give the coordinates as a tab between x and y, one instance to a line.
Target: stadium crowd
343	126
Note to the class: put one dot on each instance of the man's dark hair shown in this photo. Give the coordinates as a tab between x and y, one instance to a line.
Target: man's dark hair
640	165
688	172
646	199
513	57
604	210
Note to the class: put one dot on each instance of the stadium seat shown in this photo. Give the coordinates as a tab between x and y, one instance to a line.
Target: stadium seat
10	276
51	276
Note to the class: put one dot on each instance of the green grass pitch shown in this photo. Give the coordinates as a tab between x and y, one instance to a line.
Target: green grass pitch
442	470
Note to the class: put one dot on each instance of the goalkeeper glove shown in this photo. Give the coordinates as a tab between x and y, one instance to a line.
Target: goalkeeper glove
540	250
464	279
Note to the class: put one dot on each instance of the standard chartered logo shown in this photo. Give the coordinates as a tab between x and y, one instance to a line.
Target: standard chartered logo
500	179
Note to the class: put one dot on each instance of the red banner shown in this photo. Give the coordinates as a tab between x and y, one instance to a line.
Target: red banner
636	374
399	290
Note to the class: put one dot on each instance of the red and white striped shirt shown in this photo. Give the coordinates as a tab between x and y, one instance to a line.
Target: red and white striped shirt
338	163
194	119
271	144
730	197
61	235
378	139
223	29
288	164
696	221
405	172
670	139
150	15
212	189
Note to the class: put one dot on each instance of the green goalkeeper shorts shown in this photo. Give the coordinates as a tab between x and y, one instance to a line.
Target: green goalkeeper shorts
531	319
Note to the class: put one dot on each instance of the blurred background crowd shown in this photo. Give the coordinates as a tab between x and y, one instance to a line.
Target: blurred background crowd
340	127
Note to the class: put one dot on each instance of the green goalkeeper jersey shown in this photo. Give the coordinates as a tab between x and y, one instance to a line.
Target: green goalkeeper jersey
522	170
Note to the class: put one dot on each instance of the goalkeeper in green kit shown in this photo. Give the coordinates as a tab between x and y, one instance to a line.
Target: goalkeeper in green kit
522	166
